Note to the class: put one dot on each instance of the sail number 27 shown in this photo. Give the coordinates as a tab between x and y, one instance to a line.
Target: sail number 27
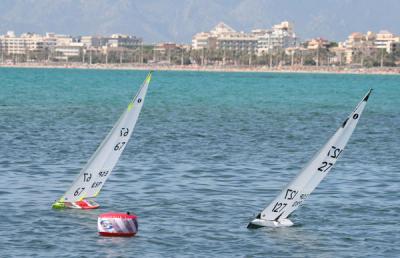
334	153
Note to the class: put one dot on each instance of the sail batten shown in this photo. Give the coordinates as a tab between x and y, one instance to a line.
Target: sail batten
297	191
100	165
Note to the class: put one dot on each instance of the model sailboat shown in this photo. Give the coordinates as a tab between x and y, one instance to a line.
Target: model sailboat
97	170
293	195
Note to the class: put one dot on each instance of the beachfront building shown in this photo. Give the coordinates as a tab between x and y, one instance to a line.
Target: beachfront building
125	41
394	46
319	50
223	44
166	47
114	48
11	44
94	41
30	45
64	47
53	46
317	43
228	39
385	39
258	41
203	40
163	52
360	46
223	37
68	51
113	41
339	54
281	36
27	47
19	45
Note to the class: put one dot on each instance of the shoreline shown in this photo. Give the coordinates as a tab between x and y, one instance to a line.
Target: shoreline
214	68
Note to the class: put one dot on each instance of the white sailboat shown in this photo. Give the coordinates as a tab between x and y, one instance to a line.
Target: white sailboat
293	195
99	167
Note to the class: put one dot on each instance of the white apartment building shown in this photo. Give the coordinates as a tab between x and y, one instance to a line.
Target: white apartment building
17	45
223	37
386	40
260	41
61	46
65	52
281	36
203	40
365	44
121	40
94	41
115	41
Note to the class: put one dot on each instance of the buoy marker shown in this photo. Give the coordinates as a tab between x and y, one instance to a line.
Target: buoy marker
117	224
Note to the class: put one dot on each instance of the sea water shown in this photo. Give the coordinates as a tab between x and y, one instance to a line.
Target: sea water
209	152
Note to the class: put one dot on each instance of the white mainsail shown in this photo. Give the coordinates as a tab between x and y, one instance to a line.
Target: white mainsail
293	195
99	167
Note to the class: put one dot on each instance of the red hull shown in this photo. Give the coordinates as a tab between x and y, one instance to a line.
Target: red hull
84	205
107	234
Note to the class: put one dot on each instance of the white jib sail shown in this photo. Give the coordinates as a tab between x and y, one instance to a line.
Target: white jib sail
96	171
293	195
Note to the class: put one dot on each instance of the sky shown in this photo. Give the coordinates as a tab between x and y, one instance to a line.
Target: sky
179	20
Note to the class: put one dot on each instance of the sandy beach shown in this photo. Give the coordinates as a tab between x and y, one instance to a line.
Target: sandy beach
214	68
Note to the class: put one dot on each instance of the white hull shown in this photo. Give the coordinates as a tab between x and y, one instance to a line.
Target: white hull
258	223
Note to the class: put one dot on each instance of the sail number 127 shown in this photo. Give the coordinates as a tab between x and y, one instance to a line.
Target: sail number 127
279	207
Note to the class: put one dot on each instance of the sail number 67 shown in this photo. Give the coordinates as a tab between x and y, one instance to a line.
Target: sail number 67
79	191
119	146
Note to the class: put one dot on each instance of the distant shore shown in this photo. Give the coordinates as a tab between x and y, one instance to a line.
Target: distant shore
214	68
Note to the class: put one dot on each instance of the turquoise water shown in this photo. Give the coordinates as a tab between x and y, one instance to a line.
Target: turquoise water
209	152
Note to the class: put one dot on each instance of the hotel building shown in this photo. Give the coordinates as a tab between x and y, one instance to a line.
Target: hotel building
223	37
259	41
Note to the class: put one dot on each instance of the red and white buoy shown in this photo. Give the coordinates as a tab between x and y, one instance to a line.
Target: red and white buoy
117	224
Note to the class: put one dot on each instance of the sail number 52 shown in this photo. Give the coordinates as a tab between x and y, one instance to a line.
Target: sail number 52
87	177
124	132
